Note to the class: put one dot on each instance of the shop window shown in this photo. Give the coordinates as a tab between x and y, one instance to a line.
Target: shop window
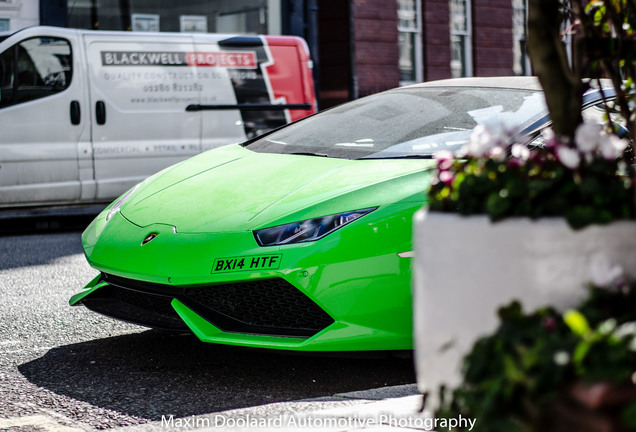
33	69
410	41
193	23
214	16
461	38
145	22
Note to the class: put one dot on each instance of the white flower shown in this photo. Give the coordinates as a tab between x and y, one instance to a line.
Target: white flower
443	155
569	157
626	329
587	137
520	151
547	134
487	139
498	153
480	142
561	358
607	327
612	146
602	273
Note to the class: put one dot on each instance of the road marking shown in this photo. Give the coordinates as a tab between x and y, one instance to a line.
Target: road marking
39	421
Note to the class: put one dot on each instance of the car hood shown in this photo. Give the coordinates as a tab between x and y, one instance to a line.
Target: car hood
235	189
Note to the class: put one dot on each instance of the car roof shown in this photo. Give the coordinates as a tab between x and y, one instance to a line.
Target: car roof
511	82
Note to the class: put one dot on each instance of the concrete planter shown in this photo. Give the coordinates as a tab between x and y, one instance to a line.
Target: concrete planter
465	268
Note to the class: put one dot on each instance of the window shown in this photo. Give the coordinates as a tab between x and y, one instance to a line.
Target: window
33	69
461	39
521	65
405	122
410	41
215	16
145	22
193	23
4	24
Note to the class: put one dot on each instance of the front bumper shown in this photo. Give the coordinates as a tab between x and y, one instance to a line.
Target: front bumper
317	297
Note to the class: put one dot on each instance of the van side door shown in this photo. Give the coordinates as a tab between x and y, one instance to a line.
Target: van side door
219	70
262	82
140	86
43	118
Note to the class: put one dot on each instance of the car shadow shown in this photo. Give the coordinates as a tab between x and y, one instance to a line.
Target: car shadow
32	250
151	374
46	220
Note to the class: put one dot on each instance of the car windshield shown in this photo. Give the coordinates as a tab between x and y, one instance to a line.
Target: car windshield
406	122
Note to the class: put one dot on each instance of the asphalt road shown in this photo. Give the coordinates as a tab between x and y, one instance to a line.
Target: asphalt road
71	368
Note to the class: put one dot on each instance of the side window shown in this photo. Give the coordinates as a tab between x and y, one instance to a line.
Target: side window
597	114
6	77
33	69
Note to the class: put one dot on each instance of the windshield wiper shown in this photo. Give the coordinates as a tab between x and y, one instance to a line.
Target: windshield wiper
427	156
308	154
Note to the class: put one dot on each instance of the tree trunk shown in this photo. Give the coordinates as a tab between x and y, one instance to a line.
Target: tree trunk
563	87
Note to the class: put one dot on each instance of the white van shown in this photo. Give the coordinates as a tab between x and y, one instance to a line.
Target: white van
85	115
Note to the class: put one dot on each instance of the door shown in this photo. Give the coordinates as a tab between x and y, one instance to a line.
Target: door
140	87
43	118
219	70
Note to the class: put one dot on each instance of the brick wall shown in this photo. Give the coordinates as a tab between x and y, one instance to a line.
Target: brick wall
366	30
492	37
436	35
375	38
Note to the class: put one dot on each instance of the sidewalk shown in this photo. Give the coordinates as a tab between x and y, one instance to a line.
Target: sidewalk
378	410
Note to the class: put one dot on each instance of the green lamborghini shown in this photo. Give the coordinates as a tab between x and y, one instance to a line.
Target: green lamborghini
299	239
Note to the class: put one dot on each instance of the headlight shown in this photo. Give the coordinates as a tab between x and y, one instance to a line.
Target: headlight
308	230
120	202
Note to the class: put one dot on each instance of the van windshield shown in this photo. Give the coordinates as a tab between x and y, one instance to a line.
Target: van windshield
406	122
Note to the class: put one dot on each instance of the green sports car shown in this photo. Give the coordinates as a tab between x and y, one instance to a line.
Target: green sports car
299	239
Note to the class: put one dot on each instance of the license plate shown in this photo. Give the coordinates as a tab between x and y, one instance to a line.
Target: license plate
247	263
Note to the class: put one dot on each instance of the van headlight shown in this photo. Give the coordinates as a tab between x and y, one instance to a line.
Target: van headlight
307	230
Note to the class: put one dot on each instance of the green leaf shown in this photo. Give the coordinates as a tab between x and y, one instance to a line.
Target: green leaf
512	370
577	323
628	416
580	352
497	206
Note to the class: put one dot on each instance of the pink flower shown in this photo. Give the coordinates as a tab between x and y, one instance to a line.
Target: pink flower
612	146
569	157
520	152
549	323
515	163
549	138
446	177
498	153
444	160
587	137
480	141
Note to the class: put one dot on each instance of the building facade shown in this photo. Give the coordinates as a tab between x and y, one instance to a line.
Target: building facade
358	47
